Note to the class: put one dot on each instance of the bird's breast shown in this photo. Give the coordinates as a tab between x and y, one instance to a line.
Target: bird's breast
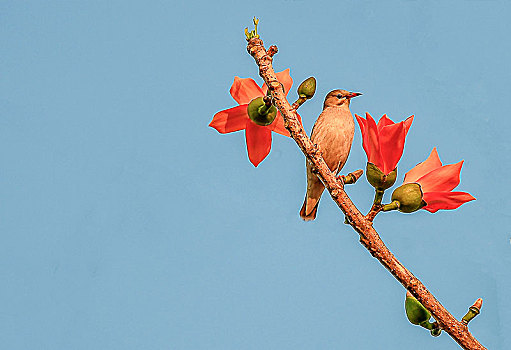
333	133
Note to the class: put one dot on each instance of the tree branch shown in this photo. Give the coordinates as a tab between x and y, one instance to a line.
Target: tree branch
369	238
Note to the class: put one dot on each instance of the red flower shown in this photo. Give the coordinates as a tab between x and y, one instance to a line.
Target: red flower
234	119
383	143
437	182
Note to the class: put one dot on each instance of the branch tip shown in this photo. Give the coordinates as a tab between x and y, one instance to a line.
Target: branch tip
473	311
253	33
351	178
478	303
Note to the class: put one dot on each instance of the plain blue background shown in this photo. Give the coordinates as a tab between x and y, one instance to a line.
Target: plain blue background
127	223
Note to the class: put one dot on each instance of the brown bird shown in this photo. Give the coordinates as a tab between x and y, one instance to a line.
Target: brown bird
333	132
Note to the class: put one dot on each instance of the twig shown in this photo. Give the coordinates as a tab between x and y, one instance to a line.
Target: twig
375	209
351	178
368	236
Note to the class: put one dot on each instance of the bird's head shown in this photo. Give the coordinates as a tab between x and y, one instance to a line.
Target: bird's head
338	98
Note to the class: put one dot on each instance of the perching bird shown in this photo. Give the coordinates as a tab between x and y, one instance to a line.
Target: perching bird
333	132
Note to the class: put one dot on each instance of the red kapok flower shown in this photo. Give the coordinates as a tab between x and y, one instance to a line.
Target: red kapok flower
437	182
383	142
258	137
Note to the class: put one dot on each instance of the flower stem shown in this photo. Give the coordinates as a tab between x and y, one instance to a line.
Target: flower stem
264	109
267	100
298	102
378	196
391	206
433	327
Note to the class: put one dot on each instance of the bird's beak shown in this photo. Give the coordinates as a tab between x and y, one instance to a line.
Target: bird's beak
354	94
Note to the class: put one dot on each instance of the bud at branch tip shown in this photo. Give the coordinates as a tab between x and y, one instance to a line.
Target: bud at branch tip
307	88
352	177
253	33
305	91
473	311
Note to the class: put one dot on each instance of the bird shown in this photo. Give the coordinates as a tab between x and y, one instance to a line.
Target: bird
333	132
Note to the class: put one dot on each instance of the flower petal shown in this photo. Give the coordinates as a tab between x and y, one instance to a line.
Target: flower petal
433	162
392	142
278	125
369	148
408	123
363	130
258	142
362	123
284	78
373	143
384	121
230	120
244	90
445	200
445	178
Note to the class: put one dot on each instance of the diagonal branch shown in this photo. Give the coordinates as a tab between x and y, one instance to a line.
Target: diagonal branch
368	236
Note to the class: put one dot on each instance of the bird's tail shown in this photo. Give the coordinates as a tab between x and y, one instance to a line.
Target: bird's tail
309	208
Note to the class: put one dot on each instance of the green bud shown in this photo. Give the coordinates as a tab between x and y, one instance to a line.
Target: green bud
473	311
307	88
378	179
260	113
409	197
415	312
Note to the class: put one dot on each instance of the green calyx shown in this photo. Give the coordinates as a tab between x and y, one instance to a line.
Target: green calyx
378	179
415	312
260	112
409	197
307	88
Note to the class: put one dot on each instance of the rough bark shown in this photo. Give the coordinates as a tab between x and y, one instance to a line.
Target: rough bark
362	224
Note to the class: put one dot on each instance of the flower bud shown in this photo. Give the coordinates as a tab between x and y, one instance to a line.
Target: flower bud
307	88
261	113
415	312
409	197
378	179
473	311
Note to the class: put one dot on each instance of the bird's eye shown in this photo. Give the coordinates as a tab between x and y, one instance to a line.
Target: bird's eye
339	96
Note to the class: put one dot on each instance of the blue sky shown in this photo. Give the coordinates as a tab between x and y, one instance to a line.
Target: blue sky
127	223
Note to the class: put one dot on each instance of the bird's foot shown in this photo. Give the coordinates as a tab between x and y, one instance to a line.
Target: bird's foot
352	177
